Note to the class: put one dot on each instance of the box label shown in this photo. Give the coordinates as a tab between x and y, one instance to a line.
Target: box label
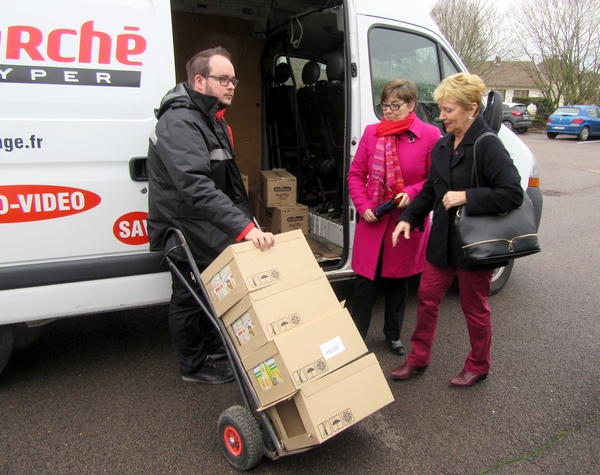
336	423
222	283
332	347
267	374
244	329
311	371
263	278
284	324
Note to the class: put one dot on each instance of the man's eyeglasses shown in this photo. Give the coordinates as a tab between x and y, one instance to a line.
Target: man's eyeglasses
392	107
224	80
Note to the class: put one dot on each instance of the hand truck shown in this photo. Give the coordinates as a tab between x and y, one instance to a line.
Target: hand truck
245	434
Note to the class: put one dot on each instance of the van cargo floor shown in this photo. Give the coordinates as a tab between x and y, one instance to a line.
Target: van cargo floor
323	249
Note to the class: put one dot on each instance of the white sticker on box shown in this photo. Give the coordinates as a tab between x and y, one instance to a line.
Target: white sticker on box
332	347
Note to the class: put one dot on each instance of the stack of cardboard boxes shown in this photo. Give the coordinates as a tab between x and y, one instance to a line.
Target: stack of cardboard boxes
299	346
277	209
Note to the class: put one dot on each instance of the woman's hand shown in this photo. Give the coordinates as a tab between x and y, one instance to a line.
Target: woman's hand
454	198
404	199
369	216
401	228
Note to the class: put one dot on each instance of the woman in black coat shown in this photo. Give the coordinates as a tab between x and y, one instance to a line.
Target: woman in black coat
448	187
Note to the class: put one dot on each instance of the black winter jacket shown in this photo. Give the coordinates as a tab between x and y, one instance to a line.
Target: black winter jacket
500	190
195	184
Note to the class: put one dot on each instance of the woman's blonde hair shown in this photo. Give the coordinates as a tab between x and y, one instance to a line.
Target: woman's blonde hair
463	88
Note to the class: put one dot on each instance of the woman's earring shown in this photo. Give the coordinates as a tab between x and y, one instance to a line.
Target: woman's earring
470	117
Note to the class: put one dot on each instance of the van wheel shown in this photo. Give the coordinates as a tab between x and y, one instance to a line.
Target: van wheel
500	277
6	345
551	135
25	336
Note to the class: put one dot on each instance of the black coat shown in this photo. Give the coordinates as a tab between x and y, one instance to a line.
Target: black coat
194	182
500	190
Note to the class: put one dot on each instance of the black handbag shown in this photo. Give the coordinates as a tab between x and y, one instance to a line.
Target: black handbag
493	238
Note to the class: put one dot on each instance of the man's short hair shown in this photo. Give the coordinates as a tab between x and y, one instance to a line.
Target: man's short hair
198	65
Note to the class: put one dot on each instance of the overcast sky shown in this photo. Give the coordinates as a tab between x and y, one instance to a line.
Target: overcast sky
426	4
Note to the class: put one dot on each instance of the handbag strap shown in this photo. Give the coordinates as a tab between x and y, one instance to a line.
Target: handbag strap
474	176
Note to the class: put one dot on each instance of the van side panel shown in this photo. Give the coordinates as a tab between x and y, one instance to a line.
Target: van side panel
79	81
78	91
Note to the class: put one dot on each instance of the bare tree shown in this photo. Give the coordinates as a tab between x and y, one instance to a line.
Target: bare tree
474	29
562	38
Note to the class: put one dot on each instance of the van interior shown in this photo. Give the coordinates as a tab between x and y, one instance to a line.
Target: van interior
291	108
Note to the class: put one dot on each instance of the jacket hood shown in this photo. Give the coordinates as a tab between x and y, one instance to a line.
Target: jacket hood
184	96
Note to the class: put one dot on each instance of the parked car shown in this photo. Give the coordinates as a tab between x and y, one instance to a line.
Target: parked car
583	121
515	116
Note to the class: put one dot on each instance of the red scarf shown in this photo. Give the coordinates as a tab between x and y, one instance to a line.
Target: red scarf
386	172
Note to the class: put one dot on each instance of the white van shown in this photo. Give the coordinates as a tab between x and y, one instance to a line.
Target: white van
79	81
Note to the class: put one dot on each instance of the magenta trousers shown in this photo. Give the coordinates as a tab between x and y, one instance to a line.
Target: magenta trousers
474	291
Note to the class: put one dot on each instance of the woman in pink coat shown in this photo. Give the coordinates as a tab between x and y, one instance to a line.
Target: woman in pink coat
392	162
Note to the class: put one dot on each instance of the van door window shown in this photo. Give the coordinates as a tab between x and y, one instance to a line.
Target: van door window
401	54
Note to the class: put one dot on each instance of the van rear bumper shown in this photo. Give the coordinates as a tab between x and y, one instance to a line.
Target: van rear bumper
535	194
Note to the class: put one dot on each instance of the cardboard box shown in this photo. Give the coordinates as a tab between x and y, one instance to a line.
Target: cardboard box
265	215
286	219
278	188
245	180
331	404
294	359
242	268
262	315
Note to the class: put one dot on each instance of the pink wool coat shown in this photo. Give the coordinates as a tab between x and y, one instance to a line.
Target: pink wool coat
408	257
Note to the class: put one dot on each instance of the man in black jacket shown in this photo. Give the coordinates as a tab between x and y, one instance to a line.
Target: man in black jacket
195	186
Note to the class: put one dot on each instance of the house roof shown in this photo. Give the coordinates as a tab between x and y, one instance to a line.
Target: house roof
508	74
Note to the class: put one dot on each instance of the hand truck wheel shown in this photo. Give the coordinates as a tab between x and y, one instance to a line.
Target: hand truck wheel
241	437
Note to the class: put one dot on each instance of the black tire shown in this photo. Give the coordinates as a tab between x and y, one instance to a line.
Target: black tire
500	277
6	345
551	135
584	134
509	125
240	438
25	336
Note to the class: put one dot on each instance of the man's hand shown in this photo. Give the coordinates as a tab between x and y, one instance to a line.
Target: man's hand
261	240
401	228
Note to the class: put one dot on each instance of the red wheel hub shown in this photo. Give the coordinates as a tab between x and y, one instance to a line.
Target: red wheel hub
233	441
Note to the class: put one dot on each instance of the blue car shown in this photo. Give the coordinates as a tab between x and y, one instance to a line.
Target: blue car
583	121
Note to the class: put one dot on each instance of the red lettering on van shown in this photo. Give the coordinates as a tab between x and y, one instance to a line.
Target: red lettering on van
25	203
15	42
132	228
27	39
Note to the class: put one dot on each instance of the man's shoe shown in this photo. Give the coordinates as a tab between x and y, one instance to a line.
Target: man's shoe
217	353
211	372
466	379
406	370
396	347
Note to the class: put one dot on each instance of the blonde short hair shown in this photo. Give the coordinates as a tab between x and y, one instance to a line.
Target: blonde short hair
462	88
